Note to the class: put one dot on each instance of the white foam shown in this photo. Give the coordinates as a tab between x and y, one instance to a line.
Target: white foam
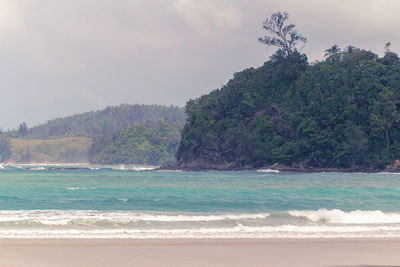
160	170
119	167
144	168
77	188
134	224
37	169
337	216
268	171
286	231
61	217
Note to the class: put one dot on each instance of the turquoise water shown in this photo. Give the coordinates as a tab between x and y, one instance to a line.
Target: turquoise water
57	201
244	191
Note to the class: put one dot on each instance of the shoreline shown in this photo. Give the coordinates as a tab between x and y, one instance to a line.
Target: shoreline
277	170
280	168
199	252
267	169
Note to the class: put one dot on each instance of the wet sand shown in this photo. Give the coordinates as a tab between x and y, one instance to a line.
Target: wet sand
200	252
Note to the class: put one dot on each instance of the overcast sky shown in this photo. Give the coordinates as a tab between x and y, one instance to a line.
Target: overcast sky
61	57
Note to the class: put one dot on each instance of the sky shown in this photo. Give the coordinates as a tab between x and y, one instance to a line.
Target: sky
62	57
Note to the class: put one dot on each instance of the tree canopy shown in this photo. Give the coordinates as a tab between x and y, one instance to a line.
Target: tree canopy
101	122
335	49
341	113
140	144
122	134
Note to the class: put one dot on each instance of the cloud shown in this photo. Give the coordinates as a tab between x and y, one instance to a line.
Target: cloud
11	19
209	15
68	56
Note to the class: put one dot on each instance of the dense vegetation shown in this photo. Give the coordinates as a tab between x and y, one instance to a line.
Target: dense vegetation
142	144
124	134
66	149
342	112
102	122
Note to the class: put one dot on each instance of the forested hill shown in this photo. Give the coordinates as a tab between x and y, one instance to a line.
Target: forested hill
142	144
342	112
126	134
104	122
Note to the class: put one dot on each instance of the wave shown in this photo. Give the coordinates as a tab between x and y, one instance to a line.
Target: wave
286	231
320	217
37	169
79	188
390	173
336	216
161	170
321	223
69	217
69	167
144	168
268	171
135	168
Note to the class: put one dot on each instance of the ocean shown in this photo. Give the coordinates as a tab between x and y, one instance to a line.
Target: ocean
56	201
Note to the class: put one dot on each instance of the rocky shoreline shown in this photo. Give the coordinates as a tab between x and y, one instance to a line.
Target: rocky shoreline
277	167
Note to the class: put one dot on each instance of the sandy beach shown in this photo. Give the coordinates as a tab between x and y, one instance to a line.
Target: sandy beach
201	252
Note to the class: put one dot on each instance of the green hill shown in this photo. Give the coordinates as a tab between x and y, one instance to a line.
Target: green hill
130	134
67	149
342	112
105	122
142	144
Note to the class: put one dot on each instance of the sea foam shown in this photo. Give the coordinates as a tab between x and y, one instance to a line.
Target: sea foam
268	171
68	217
337	216
128	224
287	231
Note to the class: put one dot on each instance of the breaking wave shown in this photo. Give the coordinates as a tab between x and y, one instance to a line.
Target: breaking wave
128	224
268	171
336	216
94	217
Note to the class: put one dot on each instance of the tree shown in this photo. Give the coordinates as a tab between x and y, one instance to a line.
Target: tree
390	57
355	143
332	51
387	47
23	129
281	35
384	113
351	49
5	149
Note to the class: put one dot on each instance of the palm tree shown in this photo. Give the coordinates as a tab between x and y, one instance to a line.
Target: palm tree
350	49
332	51
387	47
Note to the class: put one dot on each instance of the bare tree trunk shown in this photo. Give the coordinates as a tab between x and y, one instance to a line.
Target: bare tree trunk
387	137
312	154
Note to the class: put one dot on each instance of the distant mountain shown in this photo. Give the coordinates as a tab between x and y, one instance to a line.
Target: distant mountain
129	134
105	122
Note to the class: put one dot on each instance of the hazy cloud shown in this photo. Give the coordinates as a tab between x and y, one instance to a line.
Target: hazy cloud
209	15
